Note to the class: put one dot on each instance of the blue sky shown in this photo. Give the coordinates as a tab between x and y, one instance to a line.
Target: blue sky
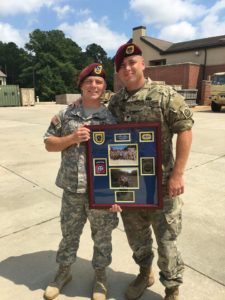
110	23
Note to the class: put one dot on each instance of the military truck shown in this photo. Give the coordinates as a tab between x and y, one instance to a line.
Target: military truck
217	96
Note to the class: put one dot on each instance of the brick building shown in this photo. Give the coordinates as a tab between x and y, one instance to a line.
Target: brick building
188	64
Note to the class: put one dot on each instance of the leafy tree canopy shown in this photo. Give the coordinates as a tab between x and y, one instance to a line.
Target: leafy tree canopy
50	63
11	61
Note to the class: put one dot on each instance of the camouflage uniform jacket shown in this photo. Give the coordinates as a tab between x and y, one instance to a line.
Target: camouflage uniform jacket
72	173
155	102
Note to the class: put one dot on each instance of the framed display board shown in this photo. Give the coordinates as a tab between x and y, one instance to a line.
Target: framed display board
124	165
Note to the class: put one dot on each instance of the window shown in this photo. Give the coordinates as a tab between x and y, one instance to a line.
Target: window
218	79
157	62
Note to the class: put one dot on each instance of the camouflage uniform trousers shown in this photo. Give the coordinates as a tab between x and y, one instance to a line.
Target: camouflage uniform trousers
74	213
166	223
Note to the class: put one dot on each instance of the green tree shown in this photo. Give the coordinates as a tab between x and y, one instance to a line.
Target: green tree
53	63
50	63
11	61
109	67
97	54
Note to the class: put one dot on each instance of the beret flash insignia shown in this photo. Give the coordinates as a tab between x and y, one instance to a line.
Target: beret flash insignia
130	49
94	69
98	70
125	50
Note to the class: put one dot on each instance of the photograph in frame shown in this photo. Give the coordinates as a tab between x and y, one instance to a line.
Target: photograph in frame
122	197
123	154
124	165
123	178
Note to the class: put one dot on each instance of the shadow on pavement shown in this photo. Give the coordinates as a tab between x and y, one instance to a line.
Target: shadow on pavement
36	270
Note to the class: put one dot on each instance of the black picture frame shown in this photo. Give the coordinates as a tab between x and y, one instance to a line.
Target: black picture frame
124	165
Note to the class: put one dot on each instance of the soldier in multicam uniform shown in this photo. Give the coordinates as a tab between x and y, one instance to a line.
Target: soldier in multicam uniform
144	100
67	133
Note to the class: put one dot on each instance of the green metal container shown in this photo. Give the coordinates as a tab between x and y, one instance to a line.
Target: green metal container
9	95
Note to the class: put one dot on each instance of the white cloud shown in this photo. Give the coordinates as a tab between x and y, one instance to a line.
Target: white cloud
214	22
211	25
178	32
165	12
89	31
13	7
125	15
182	20
62	11
32	21
83	12
10	34
217	7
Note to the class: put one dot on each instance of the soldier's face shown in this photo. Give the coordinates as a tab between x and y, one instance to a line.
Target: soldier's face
93	87
131	69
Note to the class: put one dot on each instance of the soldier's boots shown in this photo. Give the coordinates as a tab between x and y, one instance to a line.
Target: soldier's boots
100	285
62	277
172	293
137	287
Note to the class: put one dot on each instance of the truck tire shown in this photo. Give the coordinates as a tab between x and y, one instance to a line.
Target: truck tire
215	107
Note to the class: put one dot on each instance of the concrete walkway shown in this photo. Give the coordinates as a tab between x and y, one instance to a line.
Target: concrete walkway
30	205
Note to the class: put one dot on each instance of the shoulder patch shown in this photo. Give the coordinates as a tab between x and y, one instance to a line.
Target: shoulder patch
163	89
55	120
187	113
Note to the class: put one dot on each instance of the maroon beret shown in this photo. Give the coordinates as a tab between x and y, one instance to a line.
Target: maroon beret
125	50
95	69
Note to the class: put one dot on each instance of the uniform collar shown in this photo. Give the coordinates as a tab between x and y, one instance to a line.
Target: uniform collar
127	95
79	111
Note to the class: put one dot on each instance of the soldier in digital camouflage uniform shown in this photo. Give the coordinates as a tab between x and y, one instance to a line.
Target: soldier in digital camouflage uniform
67	134
143	100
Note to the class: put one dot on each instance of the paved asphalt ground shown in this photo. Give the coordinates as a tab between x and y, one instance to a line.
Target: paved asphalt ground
30	205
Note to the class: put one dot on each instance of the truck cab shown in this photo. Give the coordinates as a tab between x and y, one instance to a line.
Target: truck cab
217	96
